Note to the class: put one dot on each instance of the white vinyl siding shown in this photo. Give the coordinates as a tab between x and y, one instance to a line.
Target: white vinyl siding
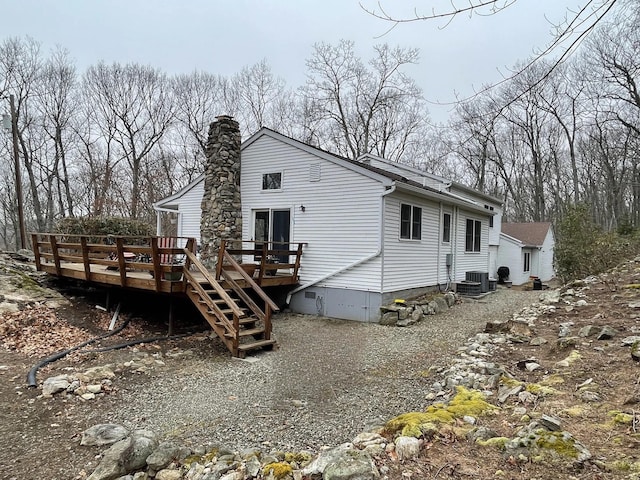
341	217
189	211
410	264
470	261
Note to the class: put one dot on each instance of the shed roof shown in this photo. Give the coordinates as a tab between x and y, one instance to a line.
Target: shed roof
530	234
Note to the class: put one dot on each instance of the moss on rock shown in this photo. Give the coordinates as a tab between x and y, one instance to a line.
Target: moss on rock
277	470
417	424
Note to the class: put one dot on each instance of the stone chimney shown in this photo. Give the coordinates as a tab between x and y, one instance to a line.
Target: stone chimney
221	207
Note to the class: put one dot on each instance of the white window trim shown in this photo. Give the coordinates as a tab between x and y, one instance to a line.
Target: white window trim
410	239
271	190
442	241
472	252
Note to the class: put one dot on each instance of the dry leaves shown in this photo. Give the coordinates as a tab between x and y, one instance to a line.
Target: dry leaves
37	331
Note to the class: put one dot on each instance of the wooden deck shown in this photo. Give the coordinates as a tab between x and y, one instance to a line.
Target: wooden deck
155	263
231	298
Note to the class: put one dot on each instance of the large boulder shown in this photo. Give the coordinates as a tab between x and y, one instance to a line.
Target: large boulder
103	434
126	456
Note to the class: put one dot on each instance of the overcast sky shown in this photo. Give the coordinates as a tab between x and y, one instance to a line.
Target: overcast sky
221	37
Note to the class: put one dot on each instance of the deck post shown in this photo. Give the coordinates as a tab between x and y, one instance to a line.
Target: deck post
85	258
155	258
170	331
107	300
36	250
267	321
121	265
223	244
56	255
297	264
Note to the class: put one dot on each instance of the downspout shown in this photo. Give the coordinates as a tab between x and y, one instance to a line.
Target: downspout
439	239
354	264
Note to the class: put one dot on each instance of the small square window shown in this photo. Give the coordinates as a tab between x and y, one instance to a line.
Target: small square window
272	181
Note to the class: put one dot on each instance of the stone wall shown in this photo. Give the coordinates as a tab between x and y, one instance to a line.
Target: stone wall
221	206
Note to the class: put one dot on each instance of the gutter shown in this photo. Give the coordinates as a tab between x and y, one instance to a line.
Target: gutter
351	265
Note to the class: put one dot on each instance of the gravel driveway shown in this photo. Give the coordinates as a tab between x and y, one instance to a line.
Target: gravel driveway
327	382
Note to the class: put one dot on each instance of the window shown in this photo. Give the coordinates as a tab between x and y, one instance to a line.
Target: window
472	236
527	261
410	222
446	227
272	181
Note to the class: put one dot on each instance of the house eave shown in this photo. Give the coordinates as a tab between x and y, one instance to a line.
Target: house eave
444	196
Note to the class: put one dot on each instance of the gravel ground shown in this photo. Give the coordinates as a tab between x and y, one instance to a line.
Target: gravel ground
328	381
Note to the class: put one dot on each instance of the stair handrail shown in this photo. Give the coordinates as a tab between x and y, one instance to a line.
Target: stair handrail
212	281
245	276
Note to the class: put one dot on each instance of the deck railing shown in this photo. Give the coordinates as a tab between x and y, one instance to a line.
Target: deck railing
162	258
262	259
157	263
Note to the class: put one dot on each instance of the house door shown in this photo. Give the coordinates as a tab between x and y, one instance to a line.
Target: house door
273	226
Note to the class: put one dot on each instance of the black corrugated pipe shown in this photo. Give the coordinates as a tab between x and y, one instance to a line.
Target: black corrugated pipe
31	376
136	342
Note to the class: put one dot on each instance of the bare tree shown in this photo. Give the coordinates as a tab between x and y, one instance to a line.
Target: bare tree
364	109
135	102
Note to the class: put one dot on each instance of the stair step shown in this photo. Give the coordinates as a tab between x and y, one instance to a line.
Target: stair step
247	332
242	321
245	347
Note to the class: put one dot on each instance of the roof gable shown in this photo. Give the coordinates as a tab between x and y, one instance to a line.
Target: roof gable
530	234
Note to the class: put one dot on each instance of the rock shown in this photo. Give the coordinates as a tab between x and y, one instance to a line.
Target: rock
589	396
403	313
581	303
537	341
532	366
550	423
416	315
353	465
607	333
98	373
442	304
628	341
325	458
168	474
567	342
555	446
103	434
551	296
527	397
233	476
163	455
565	329
588	331
94	388
407	448
88	396
125	456
53	385
389	318
481	433
365	439
506	392
634	304
635	351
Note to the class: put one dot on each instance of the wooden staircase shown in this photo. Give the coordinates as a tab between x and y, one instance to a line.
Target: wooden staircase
240	322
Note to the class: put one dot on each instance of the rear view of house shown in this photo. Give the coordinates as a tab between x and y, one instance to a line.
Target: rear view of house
373	230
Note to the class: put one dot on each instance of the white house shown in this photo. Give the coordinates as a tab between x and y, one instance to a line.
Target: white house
374	230
527	250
